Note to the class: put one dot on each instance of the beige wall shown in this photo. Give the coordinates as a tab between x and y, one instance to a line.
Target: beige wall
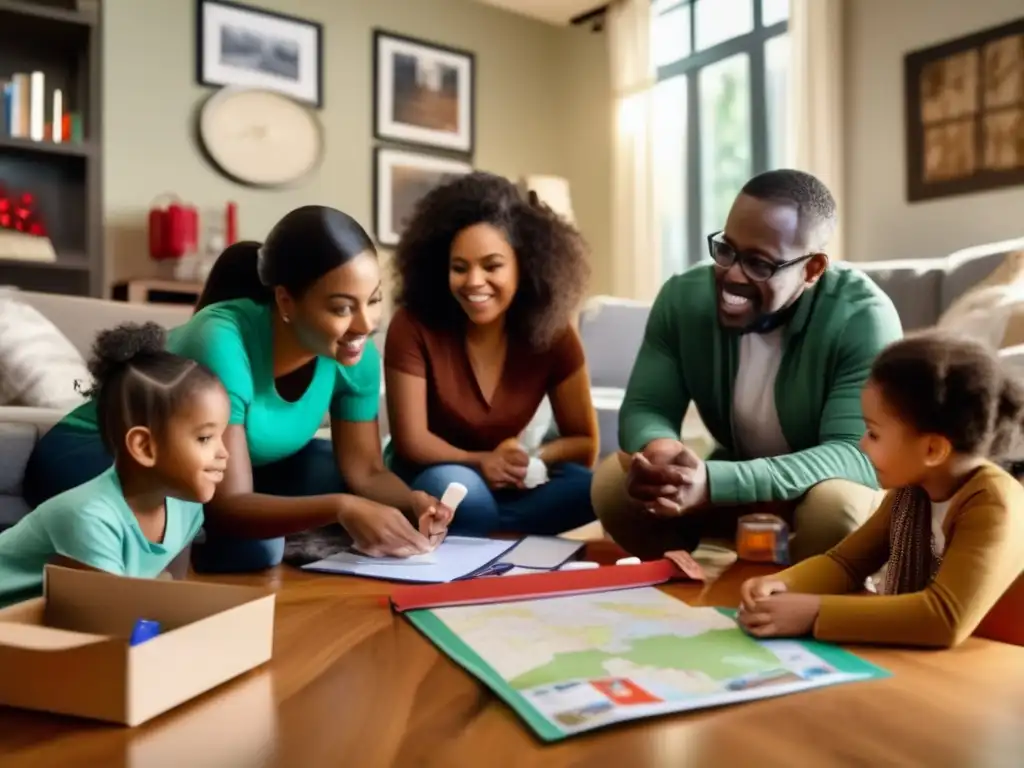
587	140
529	111
880	223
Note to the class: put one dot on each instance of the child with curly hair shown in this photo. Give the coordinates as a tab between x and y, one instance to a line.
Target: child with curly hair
163	418
488	282
950	533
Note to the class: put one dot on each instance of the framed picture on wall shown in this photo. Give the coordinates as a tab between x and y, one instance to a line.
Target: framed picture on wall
965	114
401	180
423	93
241	45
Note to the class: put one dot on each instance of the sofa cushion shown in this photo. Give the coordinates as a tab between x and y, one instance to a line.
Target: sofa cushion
12	509
974	266
16	443
993	311
915	287
80	318
39	367
611	331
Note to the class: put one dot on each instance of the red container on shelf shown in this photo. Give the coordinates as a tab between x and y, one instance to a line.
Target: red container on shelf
173	228
231	224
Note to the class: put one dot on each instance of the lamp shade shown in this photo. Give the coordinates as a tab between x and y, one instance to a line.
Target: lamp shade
553	191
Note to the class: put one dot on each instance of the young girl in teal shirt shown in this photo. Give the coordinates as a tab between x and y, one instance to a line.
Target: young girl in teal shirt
162	417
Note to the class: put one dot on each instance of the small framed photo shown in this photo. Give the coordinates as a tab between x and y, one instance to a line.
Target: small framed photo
245	46
401	180
423	93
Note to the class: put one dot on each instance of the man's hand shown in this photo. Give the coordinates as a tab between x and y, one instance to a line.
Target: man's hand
784	614
664	451
668	478
432	516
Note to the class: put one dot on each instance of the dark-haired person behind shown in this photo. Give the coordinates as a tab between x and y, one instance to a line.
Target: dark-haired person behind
286	326
488	283
773	343
162	417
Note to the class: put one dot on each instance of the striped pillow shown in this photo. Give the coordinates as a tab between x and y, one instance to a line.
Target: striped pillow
39	367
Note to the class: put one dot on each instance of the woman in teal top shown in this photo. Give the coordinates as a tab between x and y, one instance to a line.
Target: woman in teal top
286	326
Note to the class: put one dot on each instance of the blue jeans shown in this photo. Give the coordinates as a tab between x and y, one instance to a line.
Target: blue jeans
66	457
561	504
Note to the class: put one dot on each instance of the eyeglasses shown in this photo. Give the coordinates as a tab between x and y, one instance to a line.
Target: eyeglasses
756	267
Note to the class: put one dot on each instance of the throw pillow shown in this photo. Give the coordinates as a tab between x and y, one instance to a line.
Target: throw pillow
39	367
992	311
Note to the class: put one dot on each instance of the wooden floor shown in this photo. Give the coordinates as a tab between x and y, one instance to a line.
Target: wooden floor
351	684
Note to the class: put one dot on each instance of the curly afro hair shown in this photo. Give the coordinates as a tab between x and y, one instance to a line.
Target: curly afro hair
954	386
553	258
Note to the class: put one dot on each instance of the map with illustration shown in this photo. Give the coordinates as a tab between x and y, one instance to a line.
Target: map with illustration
571	664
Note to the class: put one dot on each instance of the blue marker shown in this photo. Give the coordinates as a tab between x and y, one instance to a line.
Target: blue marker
498	569
144	630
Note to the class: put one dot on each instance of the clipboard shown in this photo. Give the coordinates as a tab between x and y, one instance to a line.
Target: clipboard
458	558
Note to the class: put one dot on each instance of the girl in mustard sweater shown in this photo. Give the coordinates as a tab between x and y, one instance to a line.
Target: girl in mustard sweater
949	536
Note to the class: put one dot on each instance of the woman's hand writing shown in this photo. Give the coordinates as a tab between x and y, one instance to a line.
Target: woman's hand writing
434	518
379	530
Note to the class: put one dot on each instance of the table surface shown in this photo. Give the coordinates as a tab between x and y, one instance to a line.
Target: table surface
352	684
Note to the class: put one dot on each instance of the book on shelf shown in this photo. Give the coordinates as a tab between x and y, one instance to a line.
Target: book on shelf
29	111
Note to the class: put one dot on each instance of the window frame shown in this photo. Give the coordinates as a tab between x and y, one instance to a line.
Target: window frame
751	43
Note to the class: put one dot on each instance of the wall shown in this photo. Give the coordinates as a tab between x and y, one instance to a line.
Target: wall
880	223
587	138
523	100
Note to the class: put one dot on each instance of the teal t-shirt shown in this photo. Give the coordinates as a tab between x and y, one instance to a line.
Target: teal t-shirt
234	340
93	525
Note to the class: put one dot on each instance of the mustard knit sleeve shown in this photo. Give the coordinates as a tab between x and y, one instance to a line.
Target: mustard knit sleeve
848	564
984	556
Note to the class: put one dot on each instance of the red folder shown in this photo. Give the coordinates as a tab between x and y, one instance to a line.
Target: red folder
504	589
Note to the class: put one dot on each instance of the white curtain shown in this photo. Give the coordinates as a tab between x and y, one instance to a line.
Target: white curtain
635	242
816	97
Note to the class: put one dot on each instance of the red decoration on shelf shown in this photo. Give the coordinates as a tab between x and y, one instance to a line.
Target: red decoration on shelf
19	212
173	229
231	228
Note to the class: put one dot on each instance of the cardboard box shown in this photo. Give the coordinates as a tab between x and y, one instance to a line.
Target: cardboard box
67	652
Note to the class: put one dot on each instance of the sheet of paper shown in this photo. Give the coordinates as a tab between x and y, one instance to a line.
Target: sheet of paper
542	552
455	558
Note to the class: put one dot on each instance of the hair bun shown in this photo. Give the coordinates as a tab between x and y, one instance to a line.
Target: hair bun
117	347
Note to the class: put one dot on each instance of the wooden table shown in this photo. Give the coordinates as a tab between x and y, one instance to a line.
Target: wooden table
353	685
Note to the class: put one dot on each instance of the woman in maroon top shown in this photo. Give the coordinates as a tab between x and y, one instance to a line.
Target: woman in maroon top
488	282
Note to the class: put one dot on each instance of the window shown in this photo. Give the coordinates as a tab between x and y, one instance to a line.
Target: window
719	112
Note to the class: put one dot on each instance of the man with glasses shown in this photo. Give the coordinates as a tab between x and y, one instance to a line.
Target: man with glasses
773	344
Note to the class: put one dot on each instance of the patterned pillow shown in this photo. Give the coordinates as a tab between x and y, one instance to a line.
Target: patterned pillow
39	367
992	312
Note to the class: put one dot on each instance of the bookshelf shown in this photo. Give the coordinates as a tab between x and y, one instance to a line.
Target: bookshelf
62	40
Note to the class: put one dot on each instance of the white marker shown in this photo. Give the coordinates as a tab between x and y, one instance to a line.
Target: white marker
628	561
453	495
579	565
